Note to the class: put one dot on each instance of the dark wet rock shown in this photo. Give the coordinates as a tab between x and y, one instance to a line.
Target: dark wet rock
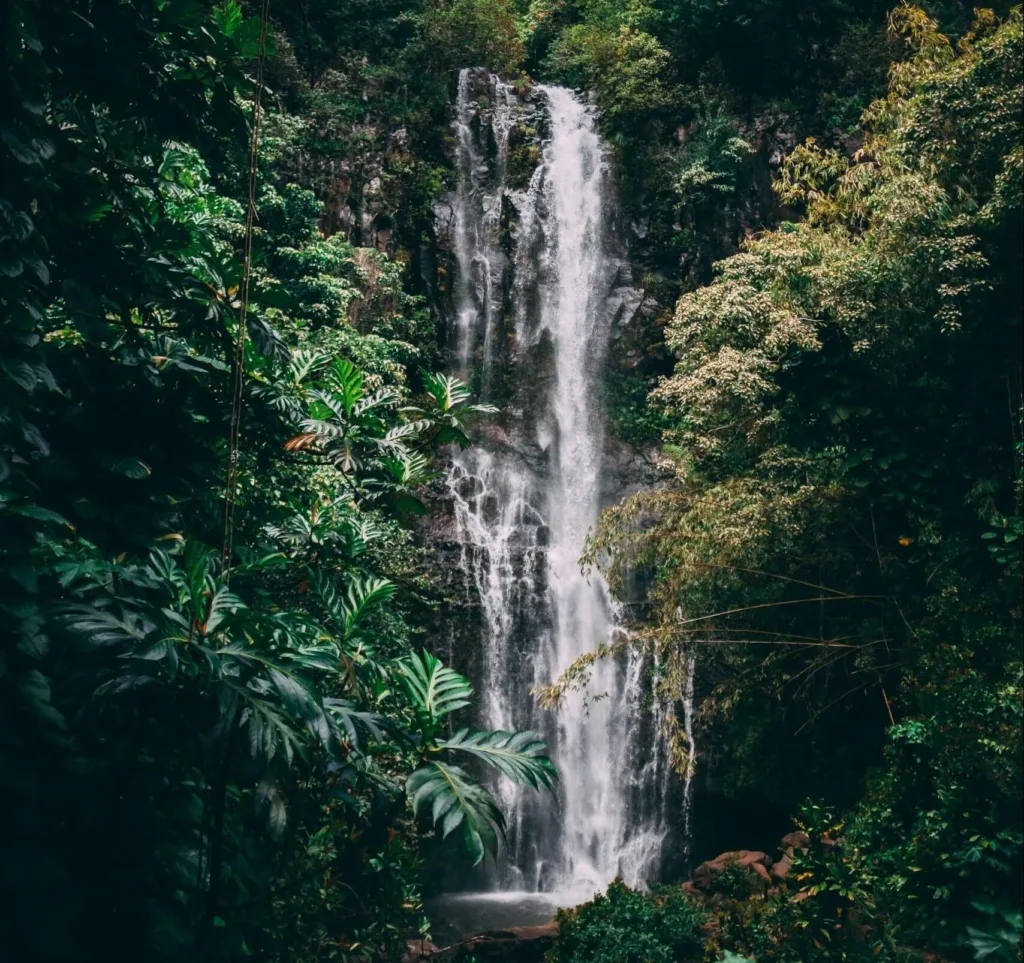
519	944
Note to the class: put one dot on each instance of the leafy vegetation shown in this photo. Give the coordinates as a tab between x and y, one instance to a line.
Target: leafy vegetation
214	746
224	733
844	448
626	926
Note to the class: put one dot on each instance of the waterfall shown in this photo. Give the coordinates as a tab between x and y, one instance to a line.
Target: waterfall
539	282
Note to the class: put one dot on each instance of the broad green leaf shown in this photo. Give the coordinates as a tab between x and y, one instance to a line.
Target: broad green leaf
521	756
433	689
228	17
222	605
456	799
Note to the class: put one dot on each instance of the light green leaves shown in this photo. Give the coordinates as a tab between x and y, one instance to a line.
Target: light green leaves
434	690
454	797
447	408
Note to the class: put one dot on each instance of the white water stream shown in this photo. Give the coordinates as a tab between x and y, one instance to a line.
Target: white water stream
541	311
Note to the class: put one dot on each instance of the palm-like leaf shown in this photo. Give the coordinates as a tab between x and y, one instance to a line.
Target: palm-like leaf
521	756
305	363
433	689
346	382
356	534
103	626
356	722
448	392
223	605
447	408
456	799
409	469
365	595
347	609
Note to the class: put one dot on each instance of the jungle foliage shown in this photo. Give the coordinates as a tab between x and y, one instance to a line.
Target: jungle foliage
840	541
224	748
222	737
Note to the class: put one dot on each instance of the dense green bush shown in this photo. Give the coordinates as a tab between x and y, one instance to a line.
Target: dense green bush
221	739
628	926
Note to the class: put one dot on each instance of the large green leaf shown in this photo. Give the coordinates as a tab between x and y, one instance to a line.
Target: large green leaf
223	605
355	721
102	626
447	392
456	799
433	689
362	597
346	382
522	756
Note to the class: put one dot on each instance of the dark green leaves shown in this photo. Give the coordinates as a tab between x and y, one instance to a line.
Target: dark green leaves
999	940
455	799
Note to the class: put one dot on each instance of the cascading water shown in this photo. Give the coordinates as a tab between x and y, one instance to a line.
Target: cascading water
539	284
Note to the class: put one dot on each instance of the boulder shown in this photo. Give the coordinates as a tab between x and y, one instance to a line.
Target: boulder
417	950
517	944
794	840
753	860
780	870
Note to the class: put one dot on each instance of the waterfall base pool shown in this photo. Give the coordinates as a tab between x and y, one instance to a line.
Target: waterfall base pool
458	915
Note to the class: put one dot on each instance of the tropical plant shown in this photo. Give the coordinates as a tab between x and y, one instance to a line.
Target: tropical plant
828	566
455	799
1002	939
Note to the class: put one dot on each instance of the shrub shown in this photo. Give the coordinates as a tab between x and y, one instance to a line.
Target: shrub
628	926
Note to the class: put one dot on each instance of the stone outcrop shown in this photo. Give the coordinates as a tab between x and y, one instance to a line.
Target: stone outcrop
789	844
754	862
763	872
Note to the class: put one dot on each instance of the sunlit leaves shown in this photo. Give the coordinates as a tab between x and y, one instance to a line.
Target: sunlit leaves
447	411
454	798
